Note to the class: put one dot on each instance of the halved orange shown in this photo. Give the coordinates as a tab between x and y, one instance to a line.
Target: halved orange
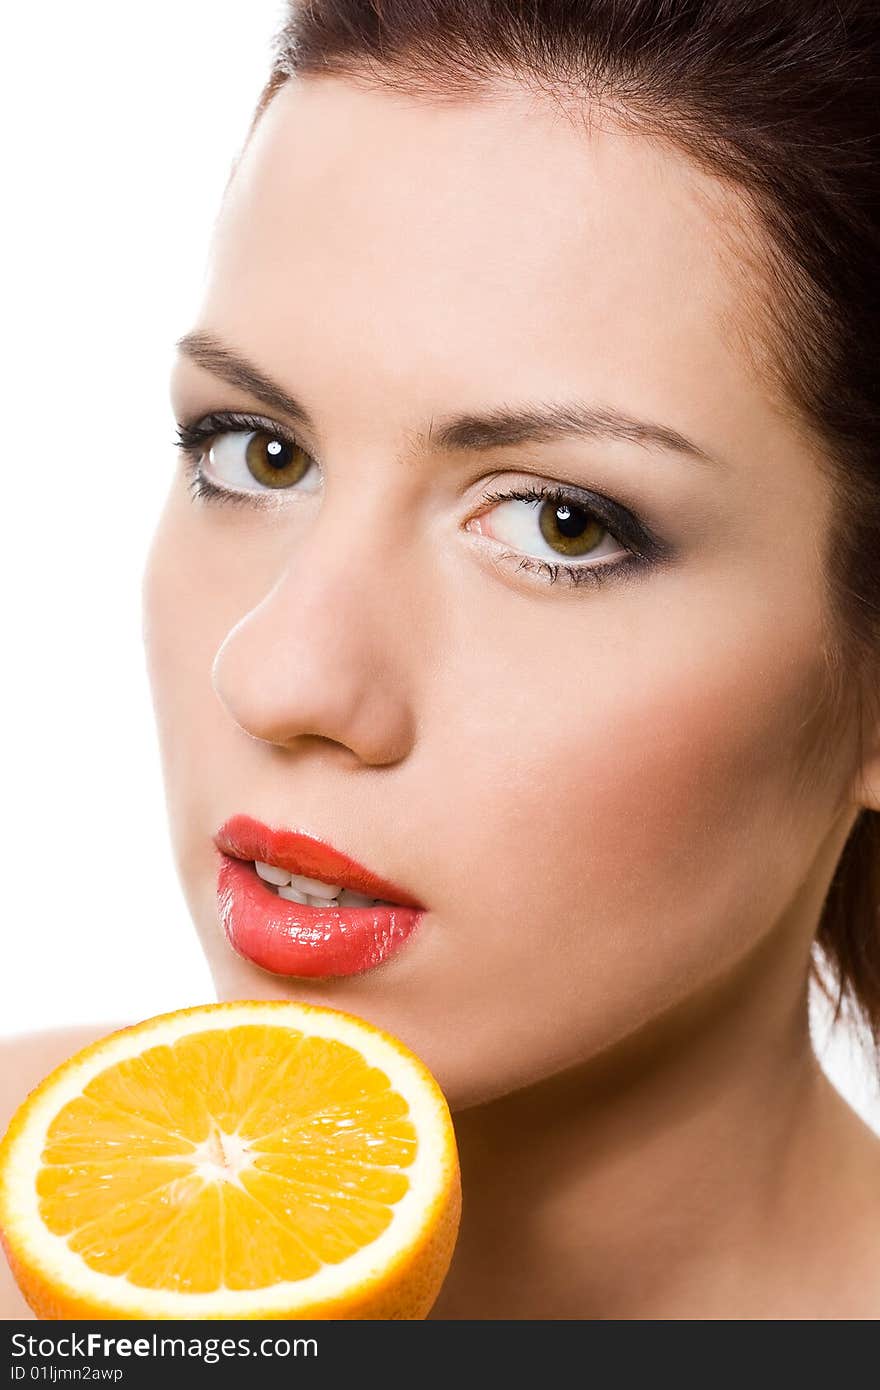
262	1159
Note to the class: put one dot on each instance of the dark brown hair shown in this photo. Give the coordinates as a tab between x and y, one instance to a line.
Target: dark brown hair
781	100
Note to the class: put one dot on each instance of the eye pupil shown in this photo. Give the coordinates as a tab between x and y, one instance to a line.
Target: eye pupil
276	462
570	530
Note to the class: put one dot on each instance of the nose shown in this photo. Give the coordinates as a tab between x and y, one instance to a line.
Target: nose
330	651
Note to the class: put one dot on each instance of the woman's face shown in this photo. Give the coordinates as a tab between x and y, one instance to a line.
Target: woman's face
597	793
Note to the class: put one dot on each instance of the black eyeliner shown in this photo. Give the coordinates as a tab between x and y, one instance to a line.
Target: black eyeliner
638	538
190	436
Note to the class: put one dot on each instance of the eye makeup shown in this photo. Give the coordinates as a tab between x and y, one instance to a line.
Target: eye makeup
643	548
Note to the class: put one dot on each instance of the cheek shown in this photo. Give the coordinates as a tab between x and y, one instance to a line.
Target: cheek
645	802
189	603
205	571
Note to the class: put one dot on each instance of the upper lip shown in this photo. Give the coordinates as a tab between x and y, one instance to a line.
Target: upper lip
242	837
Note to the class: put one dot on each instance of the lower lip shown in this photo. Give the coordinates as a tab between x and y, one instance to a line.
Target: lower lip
295	939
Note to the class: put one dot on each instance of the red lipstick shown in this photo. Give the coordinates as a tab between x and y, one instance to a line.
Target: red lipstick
290	938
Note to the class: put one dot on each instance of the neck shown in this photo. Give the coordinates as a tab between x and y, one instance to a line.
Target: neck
675	1175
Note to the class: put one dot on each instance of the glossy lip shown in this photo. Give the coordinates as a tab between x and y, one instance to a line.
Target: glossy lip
295	939
242	837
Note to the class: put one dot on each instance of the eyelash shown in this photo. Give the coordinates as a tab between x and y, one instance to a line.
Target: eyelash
192	437
644	549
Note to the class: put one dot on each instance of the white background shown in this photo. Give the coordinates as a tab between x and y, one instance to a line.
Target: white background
120	125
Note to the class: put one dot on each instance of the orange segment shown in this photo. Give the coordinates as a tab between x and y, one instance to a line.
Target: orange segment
258	1159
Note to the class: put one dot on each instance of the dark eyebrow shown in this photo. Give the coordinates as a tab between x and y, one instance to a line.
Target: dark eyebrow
206	351
541	424
499	429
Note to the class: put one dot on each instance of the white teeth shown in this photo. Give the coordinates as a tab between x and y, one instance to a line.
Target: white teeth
270	874
315	888
348	898
292	894
345	899
311	892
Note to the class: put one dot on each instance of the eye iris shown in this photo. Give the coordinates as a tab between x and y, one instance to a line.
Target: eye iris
275	462
569	529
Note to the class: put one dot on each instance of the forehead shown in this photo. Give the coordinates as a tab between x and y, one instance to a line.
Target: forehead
483	250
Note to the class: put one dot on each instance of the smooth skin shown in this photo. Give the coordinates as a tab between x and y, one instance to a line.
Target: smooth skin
608	798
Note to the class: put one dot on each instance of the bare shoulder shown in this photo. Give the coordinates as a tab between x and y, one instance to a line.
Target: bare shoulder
24	1061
